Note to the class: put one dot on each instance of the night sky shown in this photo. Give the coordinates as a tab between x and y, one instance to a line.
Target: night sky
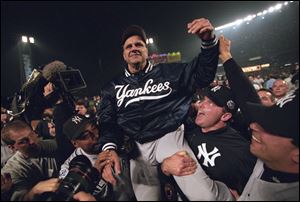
86	35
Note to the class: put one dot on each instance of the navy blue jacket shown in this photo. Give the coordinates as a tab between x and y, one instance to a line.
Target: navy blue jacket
147	105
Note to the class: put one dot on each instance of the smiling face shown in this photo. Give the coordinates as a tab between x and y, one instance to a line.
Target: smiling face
135	53
210	116
270	148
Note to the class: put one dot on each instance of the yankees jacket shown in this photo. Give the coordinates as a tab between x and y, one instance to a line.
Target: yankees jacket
147	105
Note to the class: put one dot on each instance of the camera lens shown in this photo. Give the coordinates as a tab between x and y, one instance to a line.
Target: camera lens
82	176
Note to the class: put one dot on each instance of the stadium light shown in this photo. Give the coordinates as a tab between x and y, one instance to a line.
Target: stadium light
248	18
31	39
24	39
278	6
271	9
149	41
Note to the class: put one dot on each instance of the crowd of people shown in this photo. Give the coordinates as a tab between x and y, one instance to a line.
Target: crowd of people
166	131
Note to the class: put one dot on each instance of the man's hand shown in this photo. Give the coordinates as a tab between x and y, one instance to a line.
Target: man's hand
224	49
102	159
235	194
48	89
114	163
83	196
50	185
6	183
201	27
179	164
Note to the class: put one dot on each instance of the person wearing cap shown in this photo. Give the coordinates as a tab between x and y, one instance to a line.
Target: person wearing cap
275	137
150	104
221	151
275	141
84	135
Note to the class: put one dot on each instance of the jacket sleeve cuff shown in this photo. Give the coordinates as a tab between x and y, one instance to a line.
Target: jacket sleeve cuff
229	62
108	146
210	43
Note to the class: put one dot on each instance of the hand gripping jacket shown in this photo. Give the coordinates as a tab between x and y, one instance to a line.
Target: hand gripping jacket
147	105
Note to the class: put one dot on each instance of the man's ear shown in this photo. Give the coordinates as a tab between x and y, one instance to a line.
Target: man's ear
124	55
226	116
74	143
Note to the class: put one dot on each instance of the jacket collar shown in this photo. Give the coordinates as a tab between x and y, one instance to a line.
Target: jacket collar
148	68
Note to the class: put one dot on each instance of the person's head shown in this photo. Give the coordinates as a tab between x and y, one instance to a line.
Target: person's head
280	88
82	132
81	107
48	112
266	96
19	136
250	77
216	109
135	51
275	133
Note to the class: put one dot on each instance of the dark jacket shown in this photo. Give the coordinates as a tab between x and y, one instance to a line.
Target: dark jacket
155	101
241	87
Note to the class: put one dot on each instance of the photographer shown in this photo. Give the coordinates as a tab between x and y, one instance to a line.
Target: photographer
84	135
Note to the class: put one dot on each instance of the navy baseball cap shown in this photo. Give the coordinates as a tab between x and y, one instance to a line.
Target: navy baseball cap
281	119
75	126
133	30
222	97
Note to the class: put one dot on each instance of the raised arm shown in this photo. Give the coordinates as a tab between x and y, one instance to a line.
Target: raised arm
201	71
239	83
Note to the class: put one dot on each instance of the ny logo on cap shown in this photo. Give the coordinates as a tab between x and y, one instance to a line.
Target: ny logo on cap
230	104
76	119
216	88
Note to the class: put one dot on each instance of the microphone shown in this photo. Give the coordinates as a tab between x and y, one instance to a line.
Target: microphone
50	70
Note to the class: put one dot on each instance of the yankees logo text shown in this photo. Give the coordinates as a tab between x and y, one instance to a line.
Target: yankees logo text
142	93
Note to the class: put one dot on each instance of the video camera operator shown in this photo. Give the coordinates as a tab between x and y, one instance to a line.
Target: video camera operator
62	111
58	94
50	87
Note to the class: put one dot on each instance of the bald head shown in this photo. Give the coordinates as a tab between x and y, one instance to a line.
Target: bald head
280	88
